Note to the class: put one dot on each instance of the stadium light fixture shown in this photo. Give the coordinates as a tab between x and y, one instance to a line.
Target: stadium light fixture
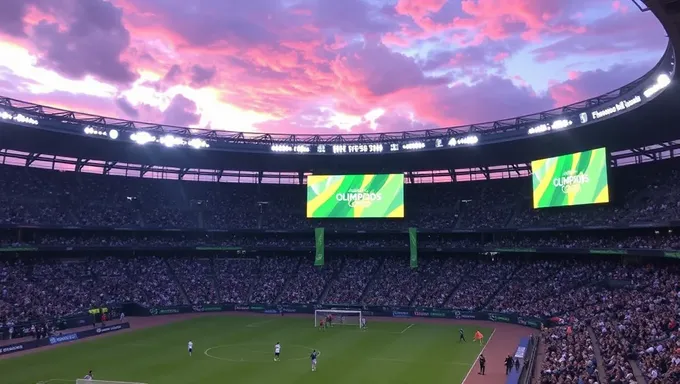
142	138
198	143
19	118
89	130
416	145
467	140
555	125
113	134
171	141
662	81
282	148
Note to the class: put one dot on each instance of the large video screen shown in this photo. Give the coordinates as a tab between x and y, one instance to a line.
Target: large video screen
355	196
575	179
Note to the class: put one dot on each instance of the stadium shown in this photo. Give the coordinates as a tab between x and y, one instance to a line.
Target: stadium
552	234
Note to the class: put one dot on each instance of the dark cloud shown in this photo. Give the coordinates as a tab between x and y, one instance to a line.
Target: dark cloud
181	112
91	43
201	76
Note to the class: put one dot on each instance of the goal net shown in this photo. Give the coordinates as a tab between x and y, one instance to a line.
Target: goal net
87	381
339	317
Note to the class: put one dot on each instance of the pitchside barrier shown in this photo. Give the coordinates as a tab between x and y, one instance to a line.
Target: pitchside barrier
381	311
522	354
62	323
60	339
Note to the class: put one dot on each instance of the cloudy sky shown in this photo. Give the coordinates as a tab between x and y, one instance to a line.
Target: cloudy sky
321	66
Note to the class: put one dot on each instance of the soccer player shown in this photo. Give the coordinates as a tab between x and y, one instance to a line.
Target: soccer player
191	347
330	319
342	319
479	337
277	351
363	323
461	335
313	356
322	325
88	376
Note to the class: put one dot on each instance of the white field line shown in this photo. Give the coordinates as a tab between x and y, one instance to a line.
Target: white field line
407	328
477	358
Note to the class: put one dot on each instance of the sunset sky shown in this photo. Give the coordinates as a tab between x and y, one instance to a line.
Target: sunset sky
321	66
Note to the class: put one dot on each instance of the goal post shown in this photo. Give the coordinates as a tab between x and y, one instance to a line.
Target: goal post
89	381
340	317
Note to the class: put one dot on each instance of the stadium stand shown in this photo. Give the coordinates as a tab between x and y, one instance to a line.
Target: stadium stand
644	194
635	322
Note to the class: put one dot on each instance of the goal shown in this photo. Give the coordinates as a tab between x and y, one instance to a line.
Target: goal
340	317
86	381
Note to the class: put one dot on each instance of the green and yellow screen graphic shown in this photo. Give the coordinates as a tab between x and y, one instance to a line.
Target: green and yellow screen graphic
355	196
575	179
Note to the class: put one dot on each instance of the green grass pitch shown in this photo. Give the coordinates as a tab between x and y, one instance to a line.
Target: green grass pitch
240	350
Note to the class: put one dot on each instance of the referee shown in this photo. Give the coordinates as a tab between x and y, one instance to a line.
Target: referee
482	365
462	335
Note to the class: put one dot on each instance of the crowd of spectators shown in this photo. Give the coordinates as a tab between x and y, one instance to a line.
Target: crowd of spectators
633	310
628	312
49	289
643	194
352	281
309	283
569	356
197	278
274	273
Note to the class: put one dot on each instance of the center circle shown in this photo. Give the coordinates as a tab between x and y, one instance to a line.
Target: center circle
254	352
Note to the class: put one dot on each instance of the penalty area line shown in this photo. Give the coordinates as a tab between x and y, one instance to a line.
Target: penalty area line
407	328
477	358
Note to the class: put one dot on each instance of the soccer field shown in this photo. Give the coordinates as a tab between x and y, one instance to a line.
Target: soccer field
240	350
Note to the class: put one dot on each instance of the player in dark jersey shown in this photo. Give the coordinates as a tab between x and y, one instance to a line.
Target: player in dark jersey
482	365
313	356
461	335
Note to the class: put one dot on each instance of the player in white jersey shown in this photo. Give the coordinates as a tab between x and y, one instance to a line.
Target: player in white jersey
191	347
88	376
277	351
363	323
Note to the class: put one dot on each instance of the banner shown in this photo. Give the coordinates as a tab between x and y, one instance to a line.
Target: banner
54	340
573	179
320	246
413	238
63	338
355	196
501	318
366	310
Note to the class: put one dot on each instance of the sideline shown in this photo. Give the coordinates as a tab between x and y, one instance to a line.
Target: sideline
480	353
407	328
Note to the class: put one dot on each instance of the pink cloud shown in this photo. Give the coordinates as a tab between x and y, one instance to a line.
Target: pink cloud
422	63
